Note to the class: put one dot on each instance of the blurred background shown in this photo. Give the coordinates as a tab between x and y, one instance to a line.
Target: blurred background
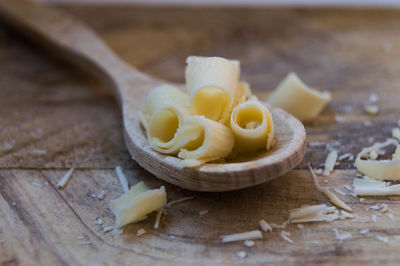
372	3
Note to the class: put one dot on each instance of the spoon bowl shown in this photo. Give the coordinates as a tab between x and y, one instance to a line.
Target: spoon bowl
75	42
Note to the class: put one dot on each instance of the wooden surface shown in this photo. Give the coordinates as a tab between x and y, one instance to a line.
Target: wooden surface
48	105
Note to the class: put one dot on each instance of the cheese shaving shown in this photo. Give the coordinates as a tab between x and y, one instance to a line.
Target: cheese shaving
35	184
371	109
137	203
316	144
373	98
379	207
169	204
318	171
280	226
348	188
122	179
313	213
158	218
248	243
371	187
203	212
339	191
336	201
5	146
364	231
204	139
367	123
341	237
348	156
64	180
286	238
85	243
241	254
107	229
391	216
396	154
396	133
256	234
140	232
265	226
212	84
382	239
383	169
330	162
374	218
101	195
252	125
37	152
295	97
332	197
344	215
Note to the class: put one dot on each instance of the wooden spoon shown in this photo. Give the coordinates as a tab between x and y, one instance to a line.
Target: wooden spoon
77	43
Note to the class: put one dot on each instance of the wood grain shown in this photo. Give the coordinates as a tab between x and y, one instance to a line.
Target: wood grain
46	104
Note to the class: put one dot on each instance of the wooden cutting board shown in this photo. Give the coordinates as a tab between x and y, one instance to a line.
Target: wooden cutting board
53	117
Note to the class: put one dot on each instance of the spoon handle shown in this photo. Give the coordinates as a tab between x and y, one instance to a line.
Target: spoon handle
73	40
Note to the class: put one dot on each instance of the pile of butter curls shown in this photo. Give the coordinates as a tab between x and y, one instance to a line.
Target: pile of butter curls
217	114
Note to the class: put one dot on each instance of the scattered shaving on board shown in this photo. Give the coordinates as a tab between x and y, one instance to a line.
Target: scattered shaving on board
101	195
158	218
265	226
371	187
36	184
255	234
367	123
332	197
371	109
107	229
396	133
140	232
285	237
316	144
122	179
382	239
85	243
241	254
330	162
37	152
169	204
248	243
203	212
341	237
348	156
312	213
65	179
339	191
